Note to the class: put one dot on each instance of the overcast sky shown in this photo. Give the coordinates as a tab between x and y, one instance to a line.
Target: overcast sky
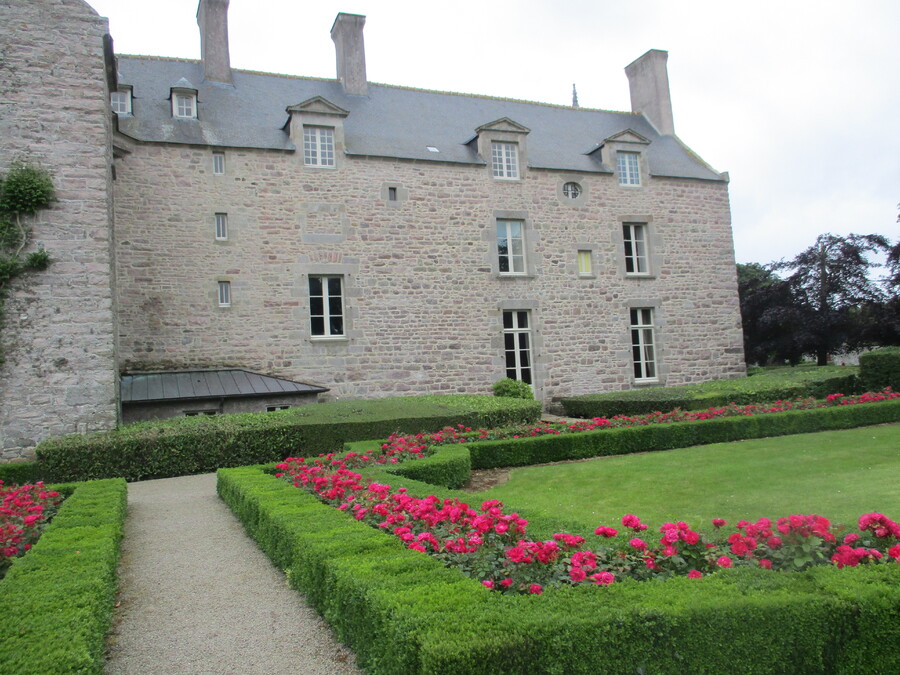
798	100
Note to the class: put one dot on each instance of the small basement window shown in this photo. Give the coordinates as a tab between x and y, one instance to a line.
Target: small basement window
196	413
273	408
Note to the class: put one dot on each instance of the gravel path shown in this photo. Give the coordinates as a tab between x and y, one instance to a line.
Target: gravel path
197	596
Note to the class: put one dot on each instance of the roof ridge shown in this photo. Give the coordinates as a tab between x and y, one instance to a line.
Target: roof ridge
393	86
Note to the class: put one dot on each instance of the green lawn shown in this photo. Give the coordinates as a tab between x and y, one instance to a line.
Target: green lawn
839	475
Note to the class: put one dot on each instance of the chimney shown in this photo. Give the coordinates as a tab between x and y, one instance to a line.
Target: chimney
212	17
347	33
648	81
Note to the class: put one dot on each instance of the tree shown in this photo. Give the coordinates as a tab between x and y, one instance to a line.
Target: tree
831	282
773	324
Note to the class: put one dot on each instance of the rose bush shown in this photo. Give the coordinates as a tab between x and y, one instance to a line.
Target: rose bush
24	511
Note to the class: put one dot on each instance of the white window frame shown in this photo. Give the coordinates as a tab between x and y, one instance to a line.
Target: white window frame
505	160
637	255
120	98
218	163
184	105
221	226
511	231
628	166
643	344
318	146
224	293
518	345
323	311
585	263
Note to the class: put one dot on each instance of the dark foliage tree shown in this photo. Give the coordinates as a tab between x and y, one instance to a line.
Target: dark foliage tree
832	283
772	322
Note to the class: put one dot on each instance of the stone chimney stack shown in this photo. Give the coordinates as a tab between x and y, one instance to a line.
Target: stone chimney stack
212	17
347	33
648	81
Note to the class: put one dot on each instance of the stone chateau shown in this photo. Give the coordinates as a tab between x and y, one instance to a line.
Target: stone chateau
369	239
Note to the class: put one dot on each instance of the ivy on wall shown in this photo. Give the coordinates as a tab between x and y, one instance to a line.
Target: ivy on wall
24	190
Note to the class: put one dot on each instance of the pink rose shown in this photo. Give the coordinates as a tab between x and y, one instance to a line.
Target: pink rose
694	574
724	561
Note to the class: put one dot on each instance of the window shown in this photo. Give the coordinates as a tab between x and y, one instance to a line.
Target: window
221	226
392	194
635	236
505	160
318	146
511	246
585	268
326	306
197	413
224	294
628	168
642	345
184	105
218	163
273	408
121	101
571	190
517	345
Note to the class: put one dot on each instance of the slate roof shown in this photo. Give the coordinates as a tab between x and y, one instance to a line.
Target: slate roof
197	384
391	121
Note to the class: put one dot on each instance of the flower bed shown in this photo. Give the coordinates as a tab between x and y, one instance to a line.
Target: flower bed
24	511
492	546
404	612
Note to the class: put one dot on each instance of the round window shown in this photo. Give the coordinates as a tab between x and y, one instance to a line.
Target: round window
571	190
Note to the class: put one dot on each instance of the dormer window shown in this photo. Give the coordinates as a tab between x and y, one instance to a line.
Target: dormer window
120	101
629	168
184	104
318	146
505	160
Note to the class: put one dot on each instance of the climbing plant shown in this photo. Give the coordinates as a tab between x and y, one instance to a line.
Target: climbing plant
24	190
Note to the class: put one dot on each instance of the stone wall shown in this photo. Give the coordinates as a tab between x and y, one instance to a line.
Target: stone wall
423	296
58	335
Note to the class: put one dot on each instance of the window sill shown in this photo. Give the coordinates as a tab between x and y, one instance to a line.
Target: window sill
329	338
327	167
646	383
513	275
639	276
587	276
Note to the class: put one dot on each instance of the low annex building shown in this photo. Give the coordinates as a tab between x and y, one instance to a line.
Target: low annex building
376	240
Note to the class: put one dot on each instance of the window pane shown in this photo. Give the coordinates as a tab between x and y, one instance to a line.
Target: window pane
317	325
523	319
509	341
315	285
526	375
507	319
334	285
337	325
334	306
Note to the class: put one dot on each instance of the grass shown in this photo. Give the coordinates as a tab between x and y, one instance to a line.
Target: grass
839	475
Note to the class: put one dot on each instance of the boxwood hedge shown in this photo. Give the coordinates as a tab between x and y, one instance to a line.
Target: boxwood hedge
880	368
203	444
766	385
57	601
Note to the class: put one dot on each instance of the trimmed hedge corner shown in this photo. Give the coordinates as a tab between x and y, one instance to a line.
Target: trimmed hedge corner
203	444
404	612
58	599
880	368
764	387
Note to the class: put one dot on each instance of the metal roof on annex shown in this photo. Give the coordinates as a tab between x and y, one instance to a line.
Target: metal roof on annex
391	121
197	384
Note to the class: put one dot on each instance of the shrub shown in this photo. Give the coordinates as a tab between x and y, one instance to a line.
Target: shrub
58	599
511	388
202	444
880	368
19	473
769	384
